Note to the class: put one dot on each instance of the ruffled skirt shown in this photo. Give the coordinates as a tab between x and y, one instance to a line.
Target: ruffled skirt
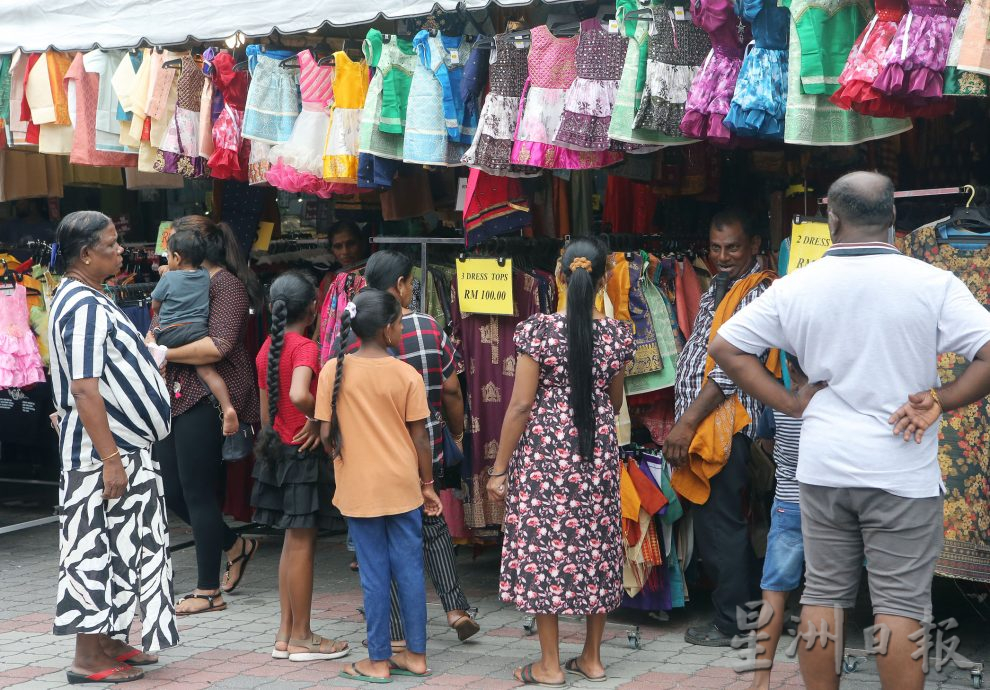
587	114
916	58
293	490
542	111
664	96
491	150
20	359
297	166
760	100
710	99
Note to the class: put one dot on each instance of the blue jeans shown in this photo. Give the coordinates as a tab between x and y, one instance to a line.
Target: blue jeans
784	565
391	548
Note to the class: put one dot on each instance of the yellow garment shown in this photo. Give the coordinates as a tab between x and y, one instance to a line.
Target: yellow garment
628	496
712	441
350	86
618	287
49	103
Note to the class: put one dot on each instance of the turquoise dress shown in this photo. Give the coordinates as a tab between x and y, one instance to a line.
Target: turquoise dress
440	124
760	98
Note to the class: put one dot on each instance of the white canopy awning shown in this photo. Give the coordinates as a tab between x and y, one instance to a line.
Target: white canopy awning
36	25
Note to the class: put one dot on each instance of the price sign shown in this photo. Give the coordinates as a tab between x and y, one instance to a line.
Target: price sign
484	286
809	242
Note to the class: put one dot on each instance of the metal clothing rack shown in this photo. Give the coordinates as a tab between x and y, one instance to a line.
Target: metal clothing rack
423	243
910	194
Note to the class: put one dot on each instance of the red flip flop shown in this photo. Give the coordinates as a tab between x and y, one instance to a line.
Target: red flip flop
128	655
103	676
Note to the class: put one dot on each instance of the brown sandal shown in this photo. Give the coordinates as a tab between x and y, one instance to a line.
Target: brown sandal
466	627
314	649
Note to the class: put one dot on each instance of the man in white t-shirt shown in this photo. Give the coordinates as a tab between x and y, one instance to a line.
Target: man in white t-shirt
867	323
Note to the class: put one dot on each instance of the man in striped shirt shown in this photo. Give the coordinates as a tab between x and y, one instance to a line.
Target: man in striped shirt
720	526
784	564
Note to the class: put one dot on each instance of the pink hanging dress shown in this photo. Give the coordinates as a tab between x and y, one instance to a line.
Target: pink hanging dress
297	164
711	91
552	70
20	360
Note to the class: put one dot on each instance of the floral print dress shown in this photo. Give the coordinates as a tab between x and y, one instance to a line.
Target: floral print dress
563	526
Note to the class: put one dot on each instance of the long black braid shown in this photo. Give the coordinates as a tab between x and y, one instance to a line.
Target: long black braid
374	310
342	336
289	297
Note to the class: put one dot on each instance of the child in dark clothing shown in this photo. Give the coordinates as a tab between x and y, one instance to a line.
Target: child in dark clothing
181	301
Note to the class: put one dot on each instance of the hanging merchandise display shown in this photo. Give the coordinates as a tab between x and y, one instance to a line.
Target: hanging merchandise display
440	124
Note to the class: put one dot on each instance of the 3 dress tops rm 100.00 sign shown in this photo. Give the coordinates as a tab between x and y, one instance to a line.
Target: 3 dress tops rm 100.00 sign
484	286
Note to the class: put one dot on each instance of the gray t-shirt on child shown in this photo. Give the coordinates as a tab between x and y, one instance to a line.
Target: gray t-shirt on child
185	297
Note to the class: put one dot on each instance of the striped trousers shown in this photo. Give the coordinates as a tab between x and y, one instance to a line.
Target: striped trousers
438	557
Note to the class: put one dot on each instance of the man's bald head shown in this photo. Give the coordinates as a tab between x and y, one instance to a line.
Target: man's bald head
861	203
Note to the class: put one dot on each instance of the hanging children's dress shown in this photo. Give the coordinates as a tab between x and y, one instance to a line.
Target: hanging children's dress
20	361
439	125
628	98
590	98
960	82
760	98
272	104
231	152
822	34
866	59
383	121
296	165
552	70
491	149
179	150
350	85
711	91
677	49
916	59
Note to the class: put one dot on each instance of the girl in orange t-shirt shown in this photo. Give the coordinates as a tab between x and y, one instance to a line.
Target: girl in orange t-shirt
374	411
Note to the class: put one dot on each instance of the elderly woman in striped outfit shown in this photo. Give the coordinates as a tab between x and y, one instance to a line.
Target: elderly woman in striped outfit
112	405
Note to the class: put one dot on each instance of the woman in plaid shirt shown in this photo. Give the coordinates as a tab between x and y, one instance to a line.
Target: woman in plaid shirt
428	349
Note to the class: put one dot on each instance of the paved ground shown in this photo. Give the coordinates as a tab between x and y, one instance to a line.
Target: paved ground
231	649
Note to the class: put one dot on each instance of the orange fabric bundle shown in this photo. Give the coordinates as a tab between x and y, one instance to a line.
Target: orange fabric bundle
712	441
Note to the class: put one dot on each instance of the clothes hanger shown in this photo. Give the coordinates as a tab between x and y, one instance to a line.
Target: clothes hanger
968	226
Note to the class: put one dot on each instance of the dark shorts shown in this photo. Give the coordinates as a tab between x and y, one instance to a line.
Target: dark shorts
178	334
900	538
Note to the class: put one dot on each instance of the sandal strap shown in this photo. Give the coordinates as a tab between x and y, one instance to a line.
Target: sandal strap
207	597
101	675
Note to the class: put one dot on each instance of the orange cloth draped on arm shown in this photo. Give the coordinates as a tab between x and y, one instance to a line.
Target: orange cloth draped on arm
712	442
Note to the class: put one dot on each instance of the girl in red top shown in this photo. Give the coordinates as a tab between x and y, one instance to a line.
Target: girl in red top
292	472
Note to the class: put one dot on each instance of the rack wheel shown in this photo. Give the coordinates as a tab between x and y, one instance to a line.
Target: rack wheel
633	637
976	677
529	625
851	664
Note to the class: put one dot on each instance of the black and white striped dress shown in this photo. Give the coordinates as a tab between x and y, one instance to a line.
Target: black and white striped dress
114	560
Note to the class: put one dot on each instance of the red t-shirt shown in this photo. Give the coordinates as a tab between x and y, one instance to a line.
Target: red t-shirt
297	351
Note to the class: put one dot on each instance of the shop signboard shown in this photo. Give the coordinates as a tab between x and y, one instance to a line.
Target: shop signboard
809	242
484	286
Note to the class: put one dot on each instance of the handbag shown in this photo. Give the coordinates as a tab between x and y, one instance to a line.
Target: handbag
240	445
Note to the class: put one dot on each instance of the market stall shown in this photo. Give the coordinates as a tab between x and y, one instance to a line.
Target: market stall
499	131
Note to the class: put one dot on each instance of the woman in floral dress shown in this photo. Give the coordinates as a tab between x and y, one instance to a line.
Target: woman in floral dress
558	469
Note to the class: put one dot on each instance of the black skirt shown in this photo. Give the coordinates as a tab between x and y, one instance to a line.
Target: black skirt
294	490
